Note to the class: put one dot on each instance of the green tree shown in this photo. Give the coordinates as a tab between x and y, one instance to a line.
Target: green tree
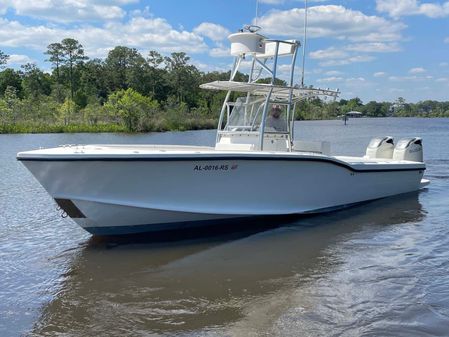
373	109
125	68
12	105
72	55
157	76
354	104
183	78
11	78
94	80
35	82
56	56
267	80
210	99
134	108
92	112
66	111
3	59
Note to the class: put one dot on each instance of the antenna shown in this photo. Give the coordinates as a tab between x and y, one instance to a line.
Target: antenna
305	43
257	12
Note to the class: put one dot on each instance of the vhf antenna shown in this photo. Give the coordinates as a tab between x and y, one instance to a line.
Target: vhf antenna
257	12
305	43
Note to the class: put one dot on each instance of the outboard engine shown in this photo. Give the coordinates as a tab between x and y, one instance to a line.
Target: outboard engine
409	149
380	147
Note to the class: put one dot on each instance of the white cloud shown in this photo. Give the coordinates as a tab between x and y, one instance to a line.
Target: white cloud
212	31
446	40
206	67
444	64
330	79
442	79
379	74
329	53
283	71
137	32
415	77
344	55
417	70
332	21
374	47
220	51
346	61
339	53
68	10
398	8
355	79
336	57
16	59
333	73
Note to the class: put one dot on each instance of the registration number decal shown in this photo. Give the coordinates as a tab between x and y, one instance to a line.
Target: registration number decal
224	167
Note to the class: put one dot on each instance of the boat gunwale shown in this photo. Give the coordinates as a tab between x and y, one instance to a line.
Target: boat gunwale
243	156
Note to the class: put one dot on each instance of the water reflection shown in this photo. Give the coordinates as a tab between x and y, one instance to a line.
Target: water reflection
232	284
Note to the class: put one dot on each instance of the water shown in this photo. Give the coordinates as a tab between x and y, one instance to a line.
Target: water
380	269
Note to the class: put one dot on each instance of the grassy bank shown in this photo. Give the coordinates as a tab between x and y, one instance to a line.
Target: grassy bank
154	126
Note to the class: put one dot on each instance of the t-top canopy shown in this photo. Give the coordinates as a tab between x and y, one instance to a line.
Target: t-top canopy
261	89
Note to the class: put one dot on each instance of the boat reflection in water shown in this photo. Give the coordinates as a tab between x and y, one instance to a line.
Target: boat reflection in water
234	285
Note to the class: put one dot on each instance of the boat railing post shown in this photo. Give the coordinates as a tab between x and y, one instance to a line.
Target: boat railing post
290	97
234	70
264	115
267	101
275	63
260	70
293	123
220	120
236	67
264	66
248	95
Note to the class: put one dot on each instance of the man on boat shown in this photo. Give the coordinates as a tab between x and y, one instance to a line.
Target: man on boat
275	121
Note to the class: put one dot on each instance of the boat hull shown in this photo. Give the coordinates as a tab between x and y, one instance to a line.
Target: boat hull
108	196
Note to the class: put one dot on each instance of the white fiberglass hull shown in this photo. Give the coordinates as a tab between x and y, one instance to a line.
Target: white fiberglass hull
130	193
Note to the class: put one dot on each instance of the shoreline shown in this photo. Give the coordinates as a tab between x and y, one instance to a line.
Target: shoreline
23	128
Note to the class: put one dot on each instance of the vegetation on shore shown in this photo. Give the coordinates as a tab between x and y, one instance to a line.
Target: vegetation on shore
127	92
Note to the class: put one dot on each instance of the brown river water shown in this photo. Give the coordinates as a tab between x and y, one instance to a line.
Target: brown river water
377	269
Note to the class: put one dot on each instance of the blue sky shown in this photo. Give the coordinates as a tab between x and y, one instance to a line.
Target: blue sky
373	49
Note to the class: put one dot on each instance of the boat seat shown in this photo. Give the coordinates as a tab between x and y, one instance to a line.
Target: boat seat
312	146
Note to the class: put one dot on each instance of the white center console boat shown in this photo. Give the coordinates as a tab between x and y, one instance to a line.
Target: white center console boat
256	167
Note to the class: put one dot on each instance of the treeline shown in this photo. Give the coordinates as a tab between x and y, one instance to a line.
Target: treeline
124	92
318	109
128	91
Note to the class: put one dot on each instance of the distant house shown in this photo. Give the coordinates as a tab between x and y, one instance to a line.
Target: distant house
354	114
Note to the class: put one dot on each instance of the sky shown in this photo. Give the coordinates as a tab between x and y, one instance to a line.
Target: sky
373	49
